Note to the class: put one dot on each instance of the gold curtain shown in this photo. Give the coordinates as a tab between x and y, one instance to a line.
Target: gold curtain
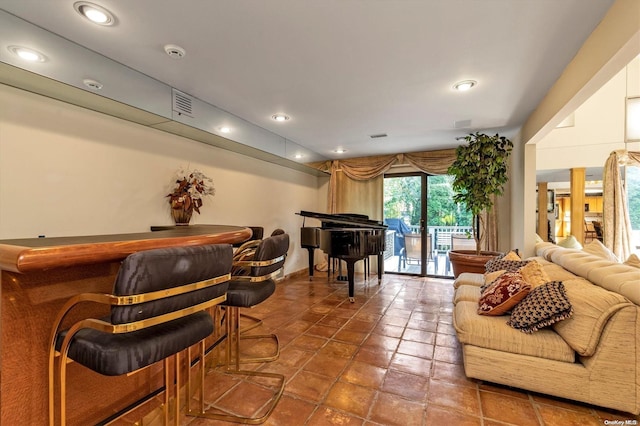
359	196
616	222
357	169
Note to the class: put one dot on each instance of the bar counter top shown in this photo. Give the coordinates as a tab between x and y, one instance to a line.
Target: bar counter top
36	254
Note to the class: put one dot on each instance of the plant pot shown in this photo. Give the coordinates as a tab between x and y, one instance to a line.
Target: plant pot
469	261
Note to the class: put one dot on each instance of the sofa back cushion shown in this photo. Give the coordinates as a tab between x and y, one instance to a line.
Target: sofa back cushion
592	308
544	249
613	276
595	247
623	279
633	260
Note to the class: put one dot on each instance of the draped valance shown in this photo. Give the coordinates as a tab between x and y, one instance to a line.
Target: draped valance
362	168
366	168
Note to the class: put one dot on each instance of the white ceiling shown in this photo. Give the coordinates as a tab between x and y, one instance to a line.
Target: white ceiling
344	69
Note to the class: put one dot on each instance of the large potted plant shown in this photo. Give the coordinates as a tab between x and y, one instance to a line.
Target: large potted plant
480	173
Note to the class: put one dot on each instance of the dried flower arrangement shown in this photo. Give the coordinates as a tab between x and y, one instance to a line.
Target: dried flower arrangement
189	190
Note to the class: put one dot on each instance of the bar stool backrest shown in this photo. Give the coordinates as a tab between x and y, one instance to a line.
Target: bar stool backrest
162	270
269	249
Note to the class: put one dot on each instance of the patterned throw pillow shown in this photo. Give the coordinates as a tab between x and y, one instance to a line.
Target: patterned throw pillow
534	274
489	278
543	306
508	265
570	242
505	293
512	255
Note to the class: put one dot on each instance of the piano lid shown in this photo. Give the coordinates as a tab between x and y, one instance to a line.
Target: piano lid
345	219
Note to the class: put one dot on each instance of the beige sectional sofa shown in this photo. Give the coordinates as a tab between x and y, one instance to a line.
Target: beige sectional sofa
593	356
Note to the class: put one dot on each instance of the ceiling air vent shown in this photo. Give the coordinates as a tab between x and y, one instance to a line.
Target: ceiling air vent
182	103
379	135
462	124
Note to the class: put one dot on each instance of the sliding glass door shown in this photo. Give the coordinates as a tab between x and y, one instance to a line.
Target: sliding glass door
421	215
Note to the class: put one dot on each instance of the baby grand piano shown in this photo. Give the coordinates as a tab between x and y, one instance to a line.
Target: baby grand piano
348	237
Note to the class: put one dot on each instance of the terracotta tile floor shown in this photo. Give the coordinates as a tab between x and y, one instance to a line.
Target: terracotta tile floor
390	358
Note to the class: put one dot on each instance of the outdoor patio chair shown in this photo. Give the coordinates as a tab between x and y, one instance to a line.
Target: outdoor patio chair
411	253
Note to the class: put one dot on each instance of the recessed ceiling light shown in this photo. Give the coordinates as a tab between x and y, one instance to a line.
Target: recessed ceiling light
280	117
298	156
94	13
225	129
340	151
465	85
92	84
27	54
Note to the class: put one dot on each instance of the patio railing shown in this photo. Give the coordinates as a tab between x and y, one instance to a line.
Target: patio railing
442	234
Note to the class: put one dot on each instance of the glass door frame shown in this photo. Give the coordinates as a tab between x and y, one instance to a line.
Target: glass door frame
423	217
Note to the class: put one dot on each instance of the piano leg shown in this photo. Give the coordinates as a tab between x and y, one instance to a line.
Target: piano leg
341	277
350	274
311	259
380	267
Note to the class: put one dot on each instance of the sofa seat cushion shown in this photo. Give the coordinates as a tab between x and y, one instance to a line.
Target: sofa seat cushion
469	278
493	333
592	308
466	293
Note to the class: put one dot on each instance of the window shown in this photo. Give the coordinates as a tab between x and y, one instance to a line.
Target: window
632	185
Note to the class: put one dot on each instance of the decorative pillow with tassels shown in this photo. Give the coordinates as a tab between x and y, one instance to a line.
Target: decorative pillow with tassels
543	306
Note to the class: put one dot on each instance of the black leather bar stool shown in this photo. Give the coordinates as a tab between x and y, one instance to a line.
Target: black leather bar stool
254	271
245	252
158	309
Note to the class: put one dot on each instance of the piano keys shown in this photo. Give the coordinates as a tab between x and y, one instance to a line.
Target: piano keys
348	237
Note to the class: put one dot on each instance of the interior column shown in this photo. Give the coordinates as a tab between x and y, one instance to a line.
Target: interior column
577	202
543	223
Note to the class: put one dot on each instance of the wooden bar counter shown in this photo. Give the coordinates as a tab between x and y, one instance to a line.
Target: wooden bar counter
37	276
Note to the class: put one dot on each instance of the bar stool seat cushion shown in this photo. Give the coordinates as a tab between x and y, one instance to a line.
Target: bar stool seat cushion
245	294
116	354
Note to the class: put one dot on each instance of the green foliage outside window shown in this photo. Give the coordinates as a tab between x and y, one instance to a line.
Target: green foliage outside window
402	200
633	196
441	208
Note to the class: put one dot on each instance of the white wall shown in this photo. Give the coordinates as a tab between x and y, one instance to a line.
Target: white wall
598	127
65	171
